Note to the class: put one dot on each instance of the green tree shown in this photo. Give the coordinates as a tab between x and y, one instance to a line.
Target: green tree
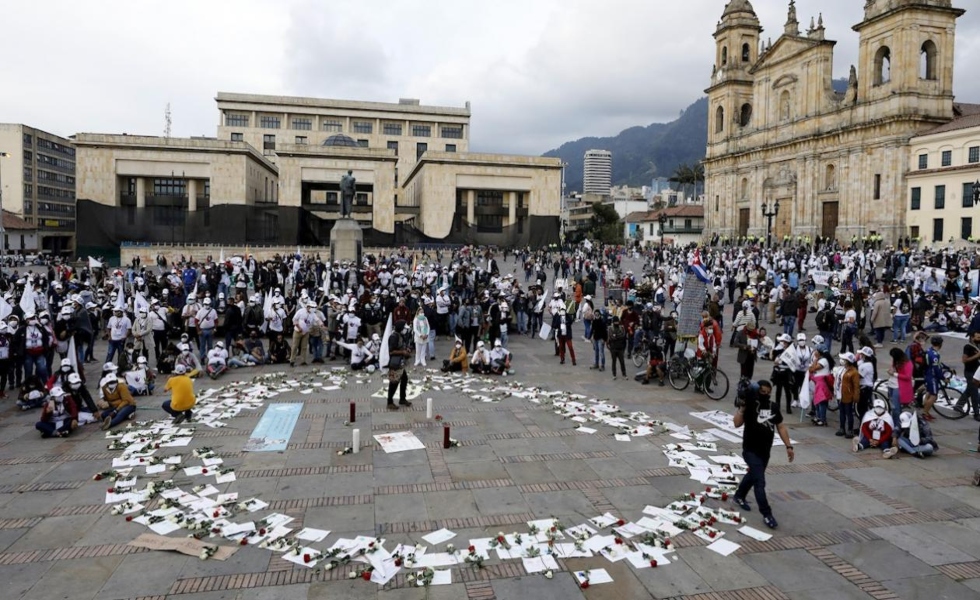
688	176
606	225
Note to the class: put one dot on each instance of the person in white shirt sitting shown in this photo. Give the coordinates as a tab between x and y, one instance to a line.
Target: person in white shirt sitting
480	361
217	360
360	356
140	378
189	360
499	359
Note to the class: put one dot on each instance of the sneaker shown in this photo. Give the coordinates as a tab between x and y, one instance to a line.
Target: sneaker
106	423
180	419
392	406
878	346
856	445
840	433
770	522
890	452
405	403
614	378
741	503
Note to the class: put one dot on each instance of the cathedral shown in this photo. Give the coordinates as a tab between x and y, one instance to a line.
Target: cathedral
835	162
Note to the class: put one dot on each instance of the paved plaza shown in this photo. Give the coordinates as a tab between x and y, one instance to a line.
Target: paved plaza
851	525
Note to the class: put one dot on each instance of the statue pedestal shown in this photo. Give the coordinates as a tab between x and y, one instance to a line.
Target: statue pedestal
346	241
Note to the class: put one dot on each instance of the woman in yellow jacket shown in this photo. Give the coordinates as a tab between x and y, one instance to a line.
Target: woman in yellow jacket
182	399
458	360
117	403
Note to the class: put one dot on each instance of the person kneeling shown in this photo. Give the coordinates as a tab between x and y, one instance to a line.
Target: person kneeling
140	378
876	430
499	359
914	427
182	399
360	356
480	363
458	360
59	416
655	366
217	360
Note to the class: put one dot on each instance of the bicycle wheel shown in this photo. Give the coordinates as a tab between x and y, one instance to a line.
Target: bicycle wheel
949	408
716	385
678	375
640	357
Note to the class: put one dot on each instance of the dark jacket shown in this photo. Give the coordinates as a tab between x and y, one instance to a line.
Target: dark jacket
600	331
617	338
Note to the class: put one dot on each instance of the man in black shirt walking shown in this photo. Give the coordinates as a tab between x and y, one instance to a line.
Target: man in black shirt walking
762	420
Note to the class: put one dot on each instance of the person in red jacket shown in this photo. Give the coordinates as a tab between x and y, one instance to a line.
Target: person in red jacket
876	430
629	320
709	339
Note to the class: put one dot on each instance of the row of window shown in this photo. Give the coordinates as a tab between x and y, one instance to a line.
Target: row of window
364	127
55	147
55	193
55	208
938	232
56	162
940	197
269	144
946	158
55	177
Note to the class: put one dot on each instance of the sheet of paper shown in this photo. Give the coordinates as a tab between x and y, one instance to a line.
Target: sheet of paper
604	520
193	471
595	577
236	528
588	430
436	559
540	564
438	578
225	478
622	437
312	535
723	547
754	533
438	537
582	530
300	559
223	498
154	469
207	491
598	542
164	527
172	460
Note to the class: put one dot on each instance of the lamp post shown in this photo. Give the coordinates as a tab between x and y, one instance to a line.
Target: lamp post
769	213
662	219
3	233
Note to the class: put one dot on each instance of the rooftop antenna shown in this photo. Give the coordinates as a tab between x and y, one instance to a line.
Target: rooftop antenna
167	120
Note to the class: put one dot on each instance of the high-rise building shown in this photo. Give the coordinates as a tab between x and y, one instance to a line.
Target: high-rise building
37	175
598	172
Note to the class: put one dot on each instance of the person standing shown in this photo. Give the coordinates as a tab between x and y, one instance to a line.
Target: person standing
850	394
971	360
762	420
398	355
420	327
747	341
617	346
599	333
563	333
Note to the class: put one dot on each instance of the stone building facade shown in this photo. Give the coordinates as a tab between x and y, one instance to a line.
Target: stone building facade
835	162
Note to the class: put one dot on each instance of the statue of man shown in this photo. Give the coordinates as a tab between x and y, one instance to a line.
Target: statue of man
347	188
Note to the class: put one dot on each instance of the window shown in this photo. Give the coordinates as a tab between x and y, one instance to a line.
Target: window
719	120
490	199
269	122
170	187
923	161
300	139
745	116
927	62
362	143
914	232
940	197
28	173
392	129
877	195
967	195
916	198
947	158
28	189
303	124
28	156
937	230
687	224
744	189
420	149
393	146
883	66
724	56
974	154
363	127
745	53
421	130
830	178
717	202
785	106
450	147
489	223
237	137
28	139
236	120
452	132
331	125
268	142
966	228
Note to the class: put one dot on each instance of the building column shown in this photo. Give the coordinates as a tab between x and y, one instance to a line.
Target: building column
140	192
192	195
512	208
470	207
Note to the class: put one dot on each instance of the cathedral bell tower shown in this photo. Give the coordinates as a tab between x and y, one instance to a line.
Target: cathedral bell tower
730	92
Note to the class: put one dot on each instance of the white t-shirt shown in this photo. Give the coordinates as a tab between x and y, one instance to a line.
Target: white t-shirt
898	308
850	316
207	317
119	328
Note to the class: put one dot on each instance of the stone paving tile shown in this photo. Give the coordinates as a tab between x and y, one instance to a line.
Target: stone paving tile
794	570
18	580
147	574
475	471
74	579
936	586
880	561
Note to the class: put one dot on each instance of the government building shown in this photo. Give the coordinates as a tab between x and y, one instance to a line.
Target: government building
272	176
836	163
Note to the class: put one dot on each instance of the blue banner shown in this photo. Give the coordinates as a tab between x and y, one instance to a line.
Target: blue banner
274	428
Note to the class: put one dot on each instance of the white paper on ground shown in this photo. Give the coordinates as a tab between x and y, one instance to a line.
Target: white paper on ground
154	469
614	552
621	437
754	533
438	537
630	529
438	578
436	559
225	478
383	576
172	460
540	563
569	551
230	497
312	535
596	576
236	528
604	520
164	527
598	542
208	490
588	430
297	559
579	530
192	471
723	547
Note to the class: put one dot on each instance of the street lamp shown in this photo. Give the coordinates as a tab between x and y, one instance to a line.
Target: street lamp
3	233
662	219
769	214
976	193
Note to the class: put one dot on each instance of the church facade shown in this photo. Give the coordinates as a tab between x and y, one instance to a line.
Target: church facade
835	162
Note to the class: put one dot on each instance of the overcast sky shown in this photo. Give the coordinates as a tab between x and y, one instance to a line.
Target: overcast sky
538	72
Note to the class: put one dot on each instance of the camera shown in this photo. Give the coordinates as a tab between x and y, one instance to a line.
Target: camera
745	389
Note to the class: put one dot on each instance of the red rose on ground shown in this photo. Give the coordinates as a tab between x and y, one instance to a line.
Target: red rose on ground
306	558
667	542
243	542
584	585
129	517
554	529
621	522
711	534
707	490
438	417
262	531
619	541
737	519
216	514
724	497
703	499
98	477
712	521
398	562
141	460
702	524
366	575
204	471
500	539
472	549
653	563
112	490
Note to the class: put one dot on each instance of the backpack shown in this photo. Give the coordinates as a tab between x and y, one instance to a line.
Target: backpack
825	322
904	306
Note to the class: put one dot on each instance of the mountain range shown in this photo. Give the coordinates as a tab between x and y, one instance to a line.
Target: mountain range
642	153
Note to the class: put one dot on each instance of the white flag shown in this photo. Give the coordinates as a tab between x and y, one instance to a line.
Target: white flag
72	357
121	296
27	300
94	264
140	303
383	353
267	311
221	256
5	309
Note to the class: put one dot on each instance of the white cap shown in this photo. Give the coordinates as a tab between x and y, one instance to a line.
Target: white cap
180	369
496	343
849	357
57	392
141	360
109	367
479	344
867	351
817	340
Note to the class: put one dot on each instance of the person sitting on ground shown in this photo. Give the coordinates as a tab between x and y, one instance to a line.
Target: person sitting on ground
458	360
59	417
360	356
80	394
167	360
914	427
255	348
278	350
217	360
239	356
876	430
656	366
140	378
117	402
33	394
480	362
190	361
499	359
182	399
60	377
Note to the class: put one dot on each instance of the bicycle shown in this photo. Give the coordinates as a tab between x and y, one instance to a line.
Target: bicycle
641	351
944	406
707	378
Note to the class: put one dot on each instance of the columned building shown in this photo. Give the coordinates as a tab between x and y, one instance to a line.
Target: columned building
835	162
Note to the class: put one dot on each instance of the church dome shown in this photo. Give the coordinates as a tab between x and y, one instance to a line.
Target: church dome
738	6
340	140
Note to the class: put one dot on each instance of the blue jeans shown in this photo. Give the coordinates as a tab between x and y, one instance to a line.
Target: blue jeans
896	405
316	343
120	416
36	362
173	413
899	327
521	322
206	342
755	478
600	353
588	329
504	338
114	346
821	411
789	324
49	430
906	445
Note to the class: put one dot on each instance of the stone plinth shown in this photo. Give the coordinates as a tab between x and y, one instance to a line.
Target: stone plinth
346	241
